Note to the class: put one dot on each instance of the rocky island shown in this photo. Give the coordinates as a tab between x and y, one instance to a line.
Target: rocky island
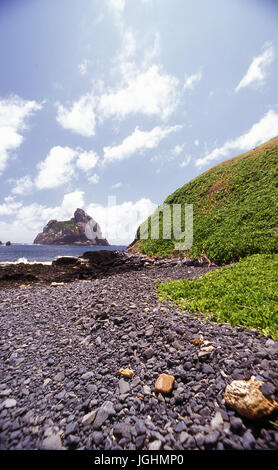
72	232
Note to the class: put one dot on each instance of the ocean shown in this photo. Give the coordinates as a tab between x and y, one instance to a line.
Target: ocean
28	253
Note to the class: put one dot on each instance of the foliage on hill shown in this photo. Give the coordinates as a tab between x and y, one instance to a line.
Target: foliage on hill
235	208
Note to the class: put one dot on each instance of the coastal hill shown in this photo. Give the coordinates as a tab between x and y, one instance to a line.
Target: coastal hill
71	232
235	209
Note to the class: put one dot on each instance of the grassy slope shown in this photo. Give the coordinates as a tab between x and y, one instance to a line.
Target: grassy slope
243	294
235	216
235	208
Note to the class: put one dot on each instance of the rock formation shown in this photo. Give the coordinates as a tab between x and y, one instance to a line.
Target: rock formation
81	229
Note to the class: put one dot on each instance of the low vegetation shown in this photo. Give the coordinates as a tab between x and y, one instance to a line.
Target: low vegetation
245	293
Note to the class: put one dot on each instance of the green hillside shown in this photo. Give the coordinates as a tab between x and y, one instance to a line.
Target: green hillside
235	209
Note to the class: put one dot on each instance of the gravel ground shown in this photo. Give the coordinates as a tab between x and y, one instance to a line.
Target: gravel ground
61	350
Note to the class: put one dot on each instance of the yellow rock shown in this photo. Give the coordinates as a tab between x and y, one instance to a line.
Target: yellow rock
164	383
126	373
245	397
55	284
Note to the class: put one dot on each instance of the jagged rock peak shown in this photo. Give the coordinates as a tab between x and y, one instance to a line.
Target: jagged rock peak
72	232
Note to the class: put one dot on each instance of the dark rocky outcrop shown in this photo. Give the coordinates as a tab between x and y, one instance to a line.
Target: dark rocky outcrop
72	232
91	265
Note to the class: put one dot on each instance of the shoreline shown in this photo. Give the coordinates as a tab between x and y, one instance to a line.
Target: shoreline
90	265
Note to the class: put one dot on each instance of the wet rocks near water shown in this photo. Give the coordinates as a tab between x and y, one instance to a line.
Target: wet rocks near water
91	265
61	350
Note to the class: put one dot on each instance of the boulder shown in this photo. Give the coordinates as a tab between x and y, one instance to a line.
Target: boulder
247	399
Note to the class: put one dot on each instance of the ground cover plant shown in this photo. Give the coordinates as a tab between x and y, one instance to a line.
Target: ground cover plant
245	293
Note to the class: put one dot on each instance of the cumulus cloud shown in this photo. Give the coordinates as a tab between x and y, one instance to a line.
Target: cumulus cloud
87	160
119	222
34	216
9	206
260	132
14	113
79	117
150	92
257	71
56	169
138	141
22	186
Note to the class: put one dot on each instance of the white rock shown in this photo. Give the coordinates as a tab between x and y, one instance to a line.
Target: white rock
217	422
9	403
155	445
52	442
89	418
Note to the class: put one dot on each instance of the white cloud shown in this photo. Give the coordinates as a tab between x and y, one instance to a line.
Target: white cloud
87	160
14	113
186	161
192	80
94	179
260	132
9	206
152	52
71	201
129	44
61	165
23	185
117	6
80	117
138	141
116	185
257	72
177	150
30	219
196	142
150	92
83	67
119	222
57	168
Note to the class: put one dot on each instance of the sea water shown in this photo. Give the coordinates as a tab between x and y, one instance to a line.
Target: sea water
28	253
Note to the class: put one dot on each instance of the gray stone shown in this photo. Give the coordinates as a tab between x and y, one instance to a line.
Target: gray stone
9	403
103	413
122	430
147	390
124	386
52	442
89	417
87	375
155	445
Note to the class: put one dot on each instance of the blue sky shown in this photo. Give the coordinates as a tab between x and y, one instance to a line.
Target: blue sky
111	105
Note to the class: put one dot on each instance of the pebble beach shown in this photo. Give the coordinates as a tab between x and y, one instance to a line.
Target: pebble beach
62	347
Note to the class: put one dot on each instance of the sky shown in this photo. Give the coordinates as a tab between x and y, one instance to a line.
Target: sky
111	105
